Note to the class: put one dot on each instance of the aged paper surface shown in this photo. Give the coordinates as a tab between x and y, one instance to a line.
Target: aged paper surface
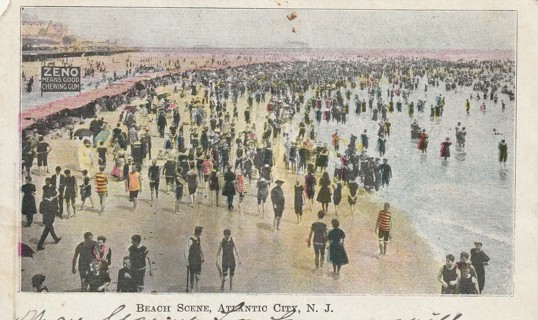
204	80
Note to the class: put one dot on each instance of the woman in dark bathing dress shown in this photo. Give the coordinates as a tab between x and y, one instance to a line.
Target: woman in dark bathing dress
28	201
324	194
337	253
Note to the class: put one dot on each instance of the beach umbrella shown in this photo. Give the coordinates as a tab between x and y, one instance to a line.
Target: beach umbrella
102	136
25	250
83	133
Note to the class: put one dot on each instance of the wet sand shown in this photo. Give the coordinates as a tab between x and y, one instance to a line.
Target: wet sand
271	262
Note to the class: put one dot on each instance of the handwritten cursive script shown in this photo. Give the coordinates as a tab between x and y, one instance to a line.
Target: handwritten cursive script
117	314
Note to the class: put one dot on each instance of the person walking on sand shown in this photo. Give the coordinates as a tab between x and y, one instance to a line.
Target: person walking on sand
383	227
479	259
98	279
337	252
84	254
180	183
228	248
154	176
310	188
263	192
423	141
101	186
58	182
169	171
468	283
43	149
503	152
449	276
386	173
324	194
192	183
214	186
102	253
49	209
29	208
278	200
319	231
337	196
134	185
194	257
353	194
445	148
229	187
298	200
85	189
240	187
126	281
70	193
139	256
86	157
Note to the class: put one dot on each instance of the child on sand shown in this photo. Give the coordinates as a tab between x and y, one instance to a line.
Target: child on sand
126	281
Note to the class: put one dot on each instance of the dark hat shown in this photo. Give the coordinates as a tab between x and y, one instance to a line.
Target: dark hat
279	182
478	242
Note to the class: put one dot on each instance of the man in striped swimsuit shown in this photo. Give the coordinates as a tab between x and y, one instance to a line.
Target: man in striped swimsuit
383	226
101	182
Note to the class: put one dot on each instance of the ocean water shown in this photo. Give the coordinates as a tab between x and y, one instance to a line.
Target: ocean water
452	203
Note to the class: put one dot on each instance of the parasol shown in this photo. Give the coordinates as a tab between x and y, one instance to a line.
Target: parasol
83	133
102	136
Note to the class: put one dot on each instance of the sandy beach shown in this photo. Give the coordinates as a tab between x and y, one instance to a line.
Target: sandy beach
271	262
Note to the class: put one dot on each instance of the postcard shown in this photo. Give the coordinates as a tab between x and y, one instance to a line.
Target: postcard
272	160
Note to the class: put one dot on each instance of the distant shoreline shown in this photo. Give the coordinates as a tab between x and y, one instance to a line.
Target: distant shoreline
442	54
31	56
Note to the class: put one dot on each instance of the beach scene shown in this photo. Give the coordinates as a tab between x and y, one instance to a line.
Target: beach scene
356	152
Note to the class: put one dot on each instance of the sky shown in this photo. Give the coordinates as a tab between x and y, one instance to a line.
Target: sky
270	28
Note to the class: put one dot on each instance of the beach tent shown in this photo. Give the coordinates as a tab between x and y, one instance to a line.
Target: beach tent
31	115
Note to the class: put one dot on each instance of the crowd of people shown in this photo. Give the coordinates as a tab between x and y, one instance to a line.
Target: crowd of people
467	276
207	148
